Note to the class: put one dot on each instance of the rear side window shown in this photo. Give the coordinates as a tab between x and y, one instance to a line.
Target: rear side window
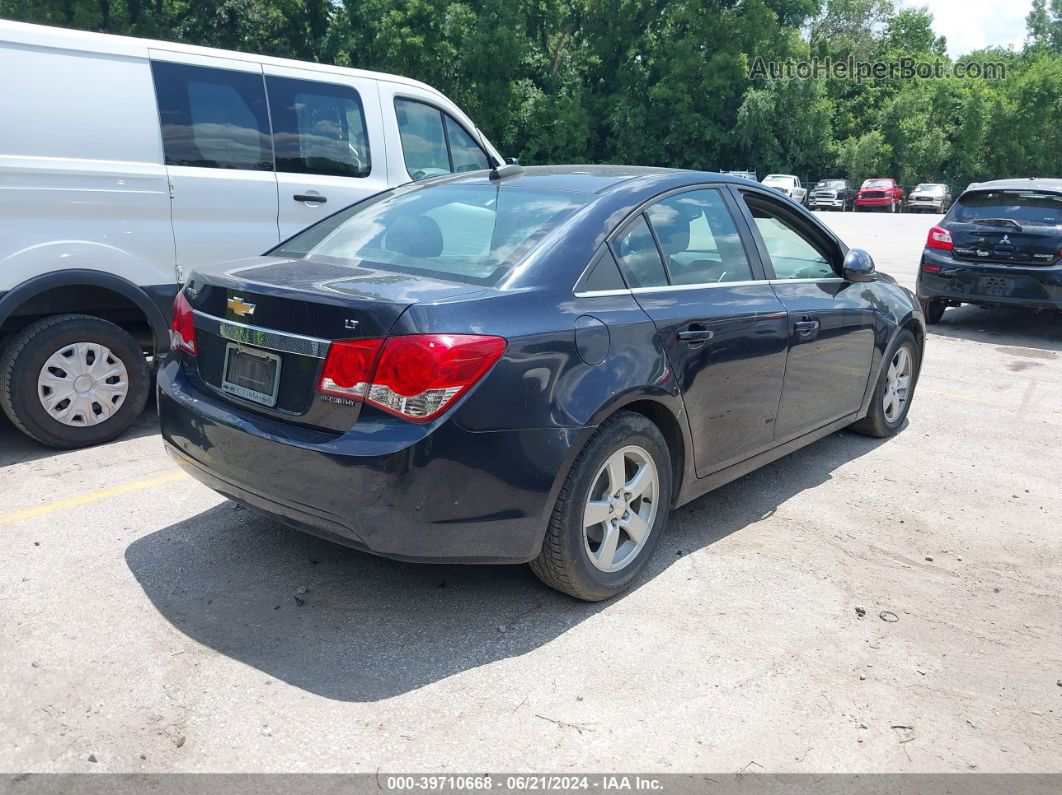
213	118
433	143
466	233
1030	207
639	256
318	128
700	241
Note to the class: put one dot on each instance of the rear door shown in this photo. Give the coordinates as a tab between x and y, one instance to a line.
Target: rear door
328	140
722	326
219	157
831	322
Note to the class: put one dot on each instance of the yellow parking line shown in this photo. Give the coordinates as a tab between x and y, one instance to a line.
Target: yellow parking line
92	496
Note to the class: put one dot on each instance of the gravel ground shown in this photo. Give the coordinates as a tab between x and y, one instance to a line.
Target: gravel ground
862	605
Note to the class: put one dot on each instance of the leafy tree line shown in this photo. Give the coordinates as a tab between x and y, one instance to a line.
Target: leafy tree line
660	82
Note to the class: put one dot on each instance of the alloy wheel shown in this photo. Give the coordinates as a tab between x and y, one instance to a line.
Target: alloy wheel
621	508
897	384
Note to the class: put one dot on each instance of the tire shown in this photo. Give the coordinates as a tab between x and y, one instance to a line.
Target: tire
566	560
933	309
879	422
108	352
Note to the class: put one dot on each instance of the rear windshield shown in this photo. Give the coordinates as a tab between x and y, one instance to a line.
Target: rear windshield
467	233
1030	207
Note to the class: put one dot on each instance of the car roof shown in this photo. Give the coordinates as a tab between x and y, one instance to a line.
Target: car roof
1032	183
598	179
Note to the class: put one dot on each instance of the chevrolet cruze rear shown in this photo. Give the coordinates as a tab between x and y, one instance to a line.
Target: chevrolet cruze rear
530	365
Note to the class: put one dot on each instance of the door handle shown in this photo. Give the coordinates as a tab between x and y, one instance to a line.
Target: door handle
309	197
807	325
695	335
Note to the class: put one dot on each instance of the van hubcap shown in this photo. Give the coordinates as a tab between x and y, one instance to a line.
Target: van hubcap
621	508
82	384
897	384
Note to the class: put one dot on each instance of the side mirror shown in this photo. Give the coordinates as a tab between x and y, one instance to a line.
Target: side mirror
512	161
858	266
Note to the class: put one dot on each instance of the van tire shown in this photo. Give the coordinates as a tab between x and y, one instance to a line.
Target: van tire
24	358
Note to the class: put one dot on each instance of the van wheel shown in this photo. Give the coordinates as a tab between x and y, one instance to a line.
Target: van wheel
73	381
894	390
610	513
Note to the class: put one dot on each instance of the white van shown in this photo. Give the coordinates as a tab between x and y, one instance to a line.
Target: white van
123	162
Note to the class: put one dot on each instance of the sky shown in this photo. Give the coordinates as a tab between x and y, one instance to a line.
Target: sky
973	24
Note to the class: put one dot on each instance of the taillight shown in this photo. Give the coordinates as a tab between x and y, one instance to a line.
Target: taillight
415	376
182	327
931	268
939	239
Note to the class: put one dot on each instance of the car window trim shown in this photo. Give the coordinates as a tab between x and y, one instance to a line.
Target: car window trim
446	133
737	214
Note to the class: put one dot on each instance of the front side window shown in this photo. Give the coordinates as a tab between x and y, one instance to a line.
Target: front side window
212	118
700	242
637	252
792	253
433	143
318	128
465	153
466	233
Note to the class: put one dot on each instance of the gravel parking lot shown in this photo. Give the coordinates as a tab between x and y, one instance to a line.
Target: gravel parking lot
862	605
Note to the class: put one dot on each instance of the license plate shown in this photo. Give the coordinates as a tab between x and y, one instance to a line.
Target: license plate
251	373
994	285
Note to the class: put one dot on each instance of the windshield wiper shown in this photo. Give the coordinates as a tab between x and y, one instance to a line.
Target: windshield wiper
1000	222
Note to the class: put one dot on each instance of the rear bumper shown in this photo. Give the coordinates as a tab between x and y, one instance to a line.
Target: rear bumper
990	283
434	493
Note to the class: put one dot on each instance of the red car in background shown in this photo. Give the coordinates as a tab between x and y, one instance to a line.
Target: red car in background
880	192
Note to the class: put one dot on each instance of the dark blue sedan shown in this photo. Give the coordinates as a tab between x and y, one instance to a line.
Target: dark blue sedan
531	365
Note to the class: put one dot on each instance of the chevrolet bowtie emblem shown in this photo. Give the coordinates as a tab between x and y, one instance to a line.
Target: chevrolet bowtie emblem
240	307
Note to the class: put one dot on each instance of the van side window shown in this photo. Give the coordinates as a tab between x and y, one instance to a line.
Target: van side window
214	118
465	153
433	143
318	128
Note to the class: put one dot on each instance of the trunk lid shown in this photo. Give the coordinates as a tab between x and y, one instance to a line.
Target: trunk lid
263	328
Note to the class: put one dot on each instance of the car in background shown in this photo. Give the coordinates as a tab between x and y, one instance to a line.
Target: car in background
1000	244
751	175
124	162
881	193
929	197
788	185
832	194
531	365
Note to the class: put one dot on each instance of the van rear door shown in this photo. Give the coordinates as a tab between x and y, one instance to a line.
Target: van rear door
328	141
219	156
